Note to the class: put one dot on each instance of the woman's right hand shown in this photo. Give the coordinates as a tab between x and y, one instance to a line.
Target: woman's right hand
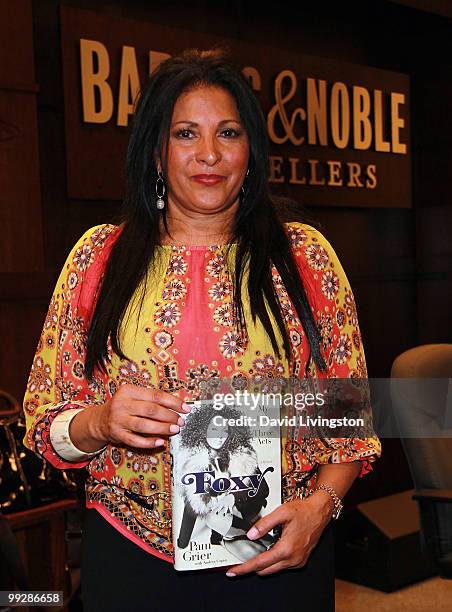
138	417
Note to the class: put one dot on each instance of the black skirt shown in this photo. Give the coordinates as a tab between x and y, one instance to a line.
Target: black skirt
117	575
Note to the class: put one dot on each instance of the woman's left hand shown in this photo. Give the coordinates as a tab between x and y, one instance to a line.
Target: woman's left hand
303	522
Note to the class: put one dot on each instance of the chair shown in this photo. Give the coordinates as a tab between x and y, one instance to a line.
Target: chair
424	406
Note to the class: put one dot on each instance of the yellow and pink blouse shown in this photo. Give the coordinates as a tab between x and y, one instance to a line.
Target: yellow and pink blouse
185	333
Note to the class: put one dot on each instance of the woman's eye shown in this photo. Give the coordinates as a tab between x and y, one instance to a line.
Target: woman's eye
184	133
230	133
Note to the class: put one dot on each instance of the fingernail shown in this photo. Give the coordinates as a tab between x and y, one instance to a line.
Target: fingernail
186	407
180	421
159	442
252	533
230	574
174	428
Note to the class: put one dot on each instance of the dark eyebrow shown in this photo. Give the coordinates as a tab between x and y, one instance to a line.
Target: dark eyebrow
194	124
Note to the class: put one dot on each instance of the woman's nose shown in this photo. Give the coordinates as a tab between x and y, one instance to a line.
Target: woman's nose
208	151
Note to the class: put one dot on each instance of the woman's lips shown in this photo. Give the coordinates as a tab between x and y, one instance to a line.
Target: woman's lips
208	179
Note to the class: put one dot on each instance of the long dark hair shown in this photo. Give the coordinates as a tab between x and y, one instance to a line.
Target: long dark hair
259	234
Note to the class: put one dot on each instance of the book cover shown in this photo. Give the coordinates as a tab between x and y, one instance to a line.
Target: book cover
226	474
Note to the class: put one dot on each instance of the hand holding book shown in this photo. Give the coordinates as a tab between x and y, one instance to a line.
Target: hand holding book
303	525
303	522
138	417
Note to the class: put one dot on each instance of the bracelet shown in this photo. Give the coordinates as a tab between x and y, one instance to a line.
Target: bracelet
62	443
336	499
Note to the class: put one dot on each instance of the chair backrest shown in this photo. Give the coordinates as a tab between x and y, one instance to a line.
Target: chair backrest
423	406
422	402
426	361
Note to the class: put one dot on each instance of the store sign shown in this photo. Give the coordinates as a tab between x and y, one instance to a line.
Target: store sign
339	132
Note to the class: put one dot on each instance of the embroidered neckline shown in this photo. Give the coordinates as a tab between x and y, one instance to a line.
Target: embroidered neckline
197	247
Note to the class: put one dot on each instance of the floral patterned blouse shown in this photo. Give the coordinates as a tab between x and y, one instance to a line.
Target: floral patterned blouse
185	333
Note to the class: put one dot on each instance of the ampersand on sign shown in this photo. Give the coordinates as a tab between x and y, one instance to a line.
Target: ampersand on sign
279	110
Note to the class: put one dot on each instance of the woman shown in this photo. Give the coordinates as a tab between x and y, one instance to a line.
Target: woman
199	280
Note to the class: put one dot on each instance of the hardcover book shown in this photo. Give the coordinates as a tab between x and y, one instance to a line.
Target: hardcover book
226	474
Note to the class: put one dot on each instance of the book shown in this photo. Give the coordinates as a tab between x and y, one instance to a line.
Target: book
226	474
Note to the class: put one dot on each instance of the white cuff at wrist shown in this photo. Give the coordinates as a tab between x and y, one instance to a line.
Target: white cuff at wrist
61	442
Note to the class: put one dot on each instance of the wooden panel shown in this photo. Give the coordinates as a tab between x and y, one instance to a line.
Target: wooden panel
64	221
26	518
40	537
27	286
16	57
20	327
434	279
20	205
387	316
432	167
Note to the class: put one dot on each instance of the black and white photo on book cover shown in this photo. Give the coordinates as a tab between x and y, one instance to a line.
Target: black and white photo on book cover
226	474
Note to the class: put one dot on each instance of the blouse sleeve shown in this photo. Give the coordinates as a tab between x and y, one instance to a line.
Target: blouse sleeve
334	309
56	381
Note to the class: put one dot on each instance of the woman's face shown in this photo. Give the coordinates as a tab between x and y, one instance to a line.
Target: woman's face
207	153
217	434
